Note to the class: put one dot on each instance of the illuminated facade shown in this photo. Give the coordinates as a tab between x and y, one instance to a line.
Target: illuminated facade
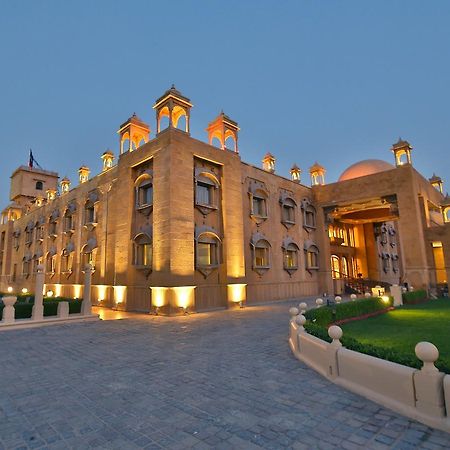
178	224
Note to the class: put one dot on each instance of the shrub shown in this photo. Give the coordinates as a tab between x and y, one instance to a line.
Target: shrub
319	328
24	310
414	296
324	315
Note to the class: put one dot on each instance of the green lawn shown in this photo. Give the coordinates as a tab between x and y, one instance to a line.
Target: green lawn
402	329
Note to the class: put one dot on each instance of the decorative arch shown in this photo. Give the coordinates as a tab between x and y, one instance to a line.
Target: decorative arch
143	186
207	250
143	251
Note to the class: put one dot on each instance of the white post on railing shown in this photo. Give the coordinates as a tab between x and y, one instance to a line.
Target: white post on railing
293	312
8	310
303	307
38	307
428	381
86	306
319	302
300	320
335	333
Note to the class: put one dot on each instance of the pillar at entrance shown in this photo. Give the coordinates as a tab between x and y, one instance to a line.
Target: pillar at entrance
38	307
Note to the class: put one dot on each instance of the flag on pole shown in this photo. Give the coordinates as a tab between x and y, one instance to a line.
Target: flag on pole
31	160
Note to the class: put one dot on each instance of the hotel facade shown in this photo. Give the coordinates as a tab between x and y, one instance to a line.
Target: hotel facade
178	224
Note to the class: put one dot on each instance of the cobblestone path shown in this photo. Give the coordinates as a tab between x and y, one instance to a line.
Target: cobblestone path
222	380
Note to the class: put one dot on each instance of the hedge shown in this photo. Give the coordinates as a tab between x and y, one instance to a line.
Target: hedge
24	310
320	318
324	315
414	296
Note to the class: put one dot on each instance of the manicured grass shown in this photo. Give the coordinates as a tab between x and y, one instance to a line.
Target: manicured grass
402	329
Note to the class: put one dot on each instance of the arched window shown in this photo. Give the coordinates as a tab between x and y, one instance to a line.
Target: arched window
261	259
259	204
335	267
68	221
291	257
144	191
50	262
26	265
312	256
344	264
309	216
90	213
207	254
67	258
206	191
39	185
88	253
143	251
288	212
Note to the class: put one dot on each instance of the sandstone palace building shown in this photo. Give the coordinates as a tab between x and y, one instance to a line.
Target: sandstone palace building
178	224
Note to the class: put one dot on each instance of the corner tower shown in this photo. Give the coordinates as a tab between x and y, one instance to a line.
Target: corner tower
402	152
173	105
132	134
225	131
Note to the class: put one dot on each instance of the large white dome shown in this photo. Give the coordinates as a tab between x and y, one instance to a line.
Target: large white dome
363	168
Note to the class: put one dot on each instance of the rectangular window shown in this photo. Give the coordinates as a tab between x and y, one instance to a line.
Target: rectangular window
67	262
261	257
288	214
206	254
259	207
145	194
291	259
26	268
91	215
52	228
439	262
144	254
310	219
203	194
312	260
68	223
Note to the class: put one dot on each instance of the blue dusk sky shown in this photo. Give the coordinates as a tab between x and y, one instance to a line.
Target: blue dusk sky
332	81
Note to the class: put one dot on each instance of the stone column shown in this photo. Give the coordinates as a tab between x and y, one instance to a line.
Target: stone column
8	310
38	307
86	306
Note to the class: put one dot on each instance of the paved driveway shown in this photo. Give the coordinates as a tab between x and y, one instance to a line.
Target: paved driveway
224	380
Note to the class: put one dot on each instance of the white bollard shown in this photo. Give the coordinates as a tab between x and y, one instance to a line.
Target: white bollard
353	297
300	321
428	382
63	310
86	305
319	302
367	295
335	333
303	307
38	307
338	299
8	310
293	312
